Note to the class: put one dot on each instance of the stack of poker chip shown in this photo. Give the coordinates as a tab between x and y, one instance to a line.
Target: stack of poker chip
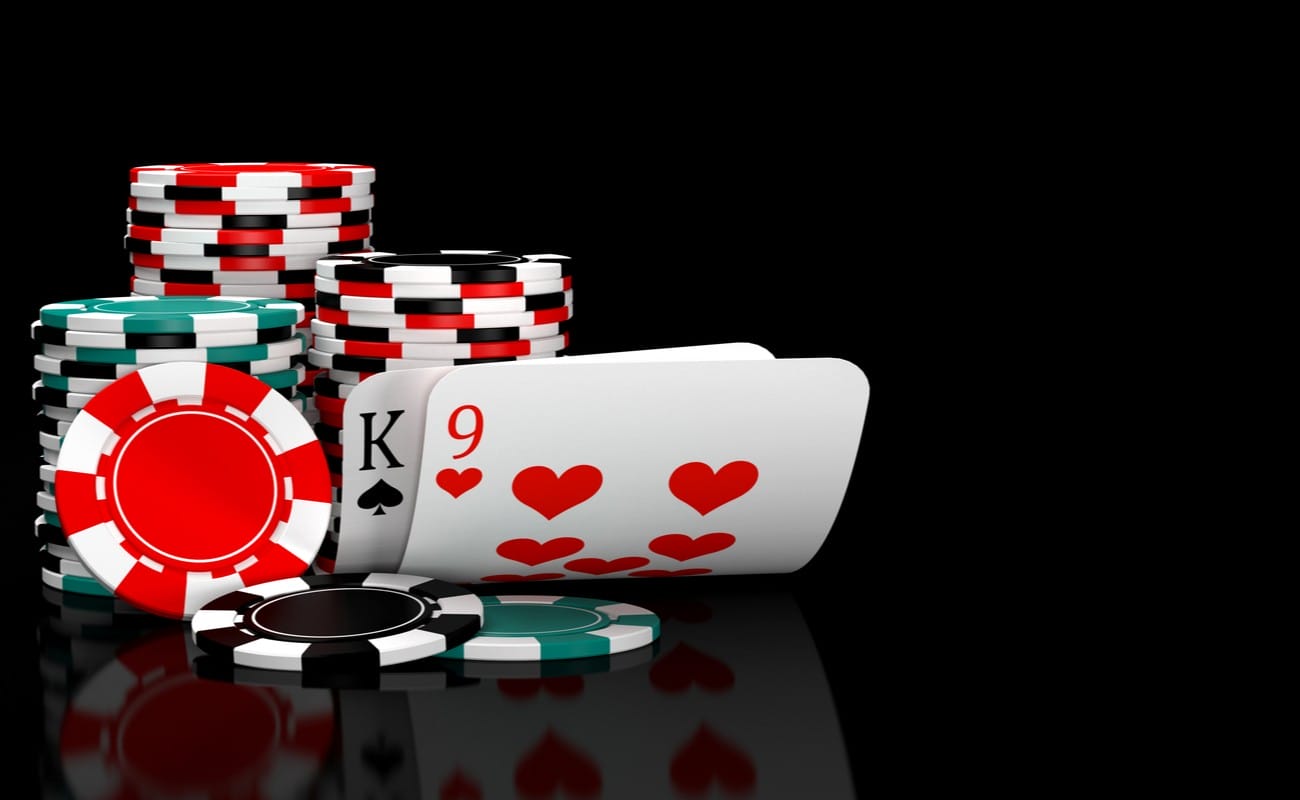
378	312
247	229
83	346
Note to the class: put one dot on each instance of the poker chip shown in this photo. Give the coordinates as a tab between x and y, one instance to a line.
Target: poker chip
444	266
50	441
265	173
173	191
355	622
436	336
243	277
144	725
540	628
293	345
247	221
442	290
46	473
49	365
328	434
177	441
45	501
425	305
57	397
171	314
63	566
44	334
551	668
349	377
134	245
328	387
291	291
331	205
47	534
74	583
59	413
375	319
254	236
332	405
336	361
86	385
57	427
61	551
221	263
417	350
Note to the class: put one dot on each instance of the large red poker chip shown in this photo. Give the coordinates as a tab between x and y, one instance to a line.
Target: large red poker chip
184	481
144	725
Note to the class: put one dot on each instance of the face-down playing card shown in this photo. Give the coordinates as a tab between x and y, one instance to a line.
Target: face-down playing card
656	469
383	439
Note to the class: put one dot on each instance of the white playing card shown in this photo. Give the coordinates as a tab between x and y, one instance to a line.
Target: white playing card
383	436
653	469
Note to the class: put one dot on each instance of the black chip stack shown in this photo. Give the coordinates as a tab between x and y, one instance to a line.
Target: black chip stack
378	312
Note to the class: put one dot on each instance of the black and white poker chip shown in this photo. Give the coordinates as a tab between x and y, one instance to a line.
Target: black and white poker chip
351	622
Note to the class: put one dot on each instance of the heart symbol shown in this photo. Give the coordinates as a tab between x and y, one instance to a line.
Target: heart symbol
685	665
542	490
683	548
554	765
540	576
459	787
599	566
669	573
524	688
698	486
706	758
533	552
457	483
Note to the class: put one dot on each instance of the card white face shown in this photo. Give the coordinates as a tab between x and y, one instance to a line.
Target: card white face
654	469
383	439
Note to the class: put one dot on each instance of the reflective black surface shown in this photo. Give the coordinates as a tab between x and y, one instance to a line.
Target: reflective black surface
732	701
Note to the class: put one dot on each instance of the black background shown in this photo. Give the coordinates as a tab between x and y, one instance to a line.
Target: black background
701	226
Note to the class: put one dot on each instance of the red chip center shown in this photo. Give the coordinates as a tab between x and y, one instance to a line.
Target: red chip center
194	487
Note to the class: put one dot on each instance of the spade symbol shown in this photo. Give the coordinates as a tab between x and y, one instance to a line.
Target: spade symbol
380	495
382	756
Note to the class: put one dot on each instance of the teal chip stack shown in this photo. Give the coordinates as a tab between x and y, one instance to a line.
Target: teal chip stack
83	346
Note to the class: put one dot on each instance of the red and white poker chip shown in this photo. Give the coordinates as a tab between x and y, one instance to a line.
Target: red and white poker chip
184	481
144	725
263	173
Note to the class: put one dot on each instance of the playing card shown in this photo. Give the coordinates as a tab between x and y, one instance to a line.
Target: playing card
655	469
383	439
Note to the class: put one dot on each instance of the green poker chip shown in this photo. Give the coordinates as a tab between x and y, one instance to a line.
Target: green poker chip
171	314
74	583
544	628
292	346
